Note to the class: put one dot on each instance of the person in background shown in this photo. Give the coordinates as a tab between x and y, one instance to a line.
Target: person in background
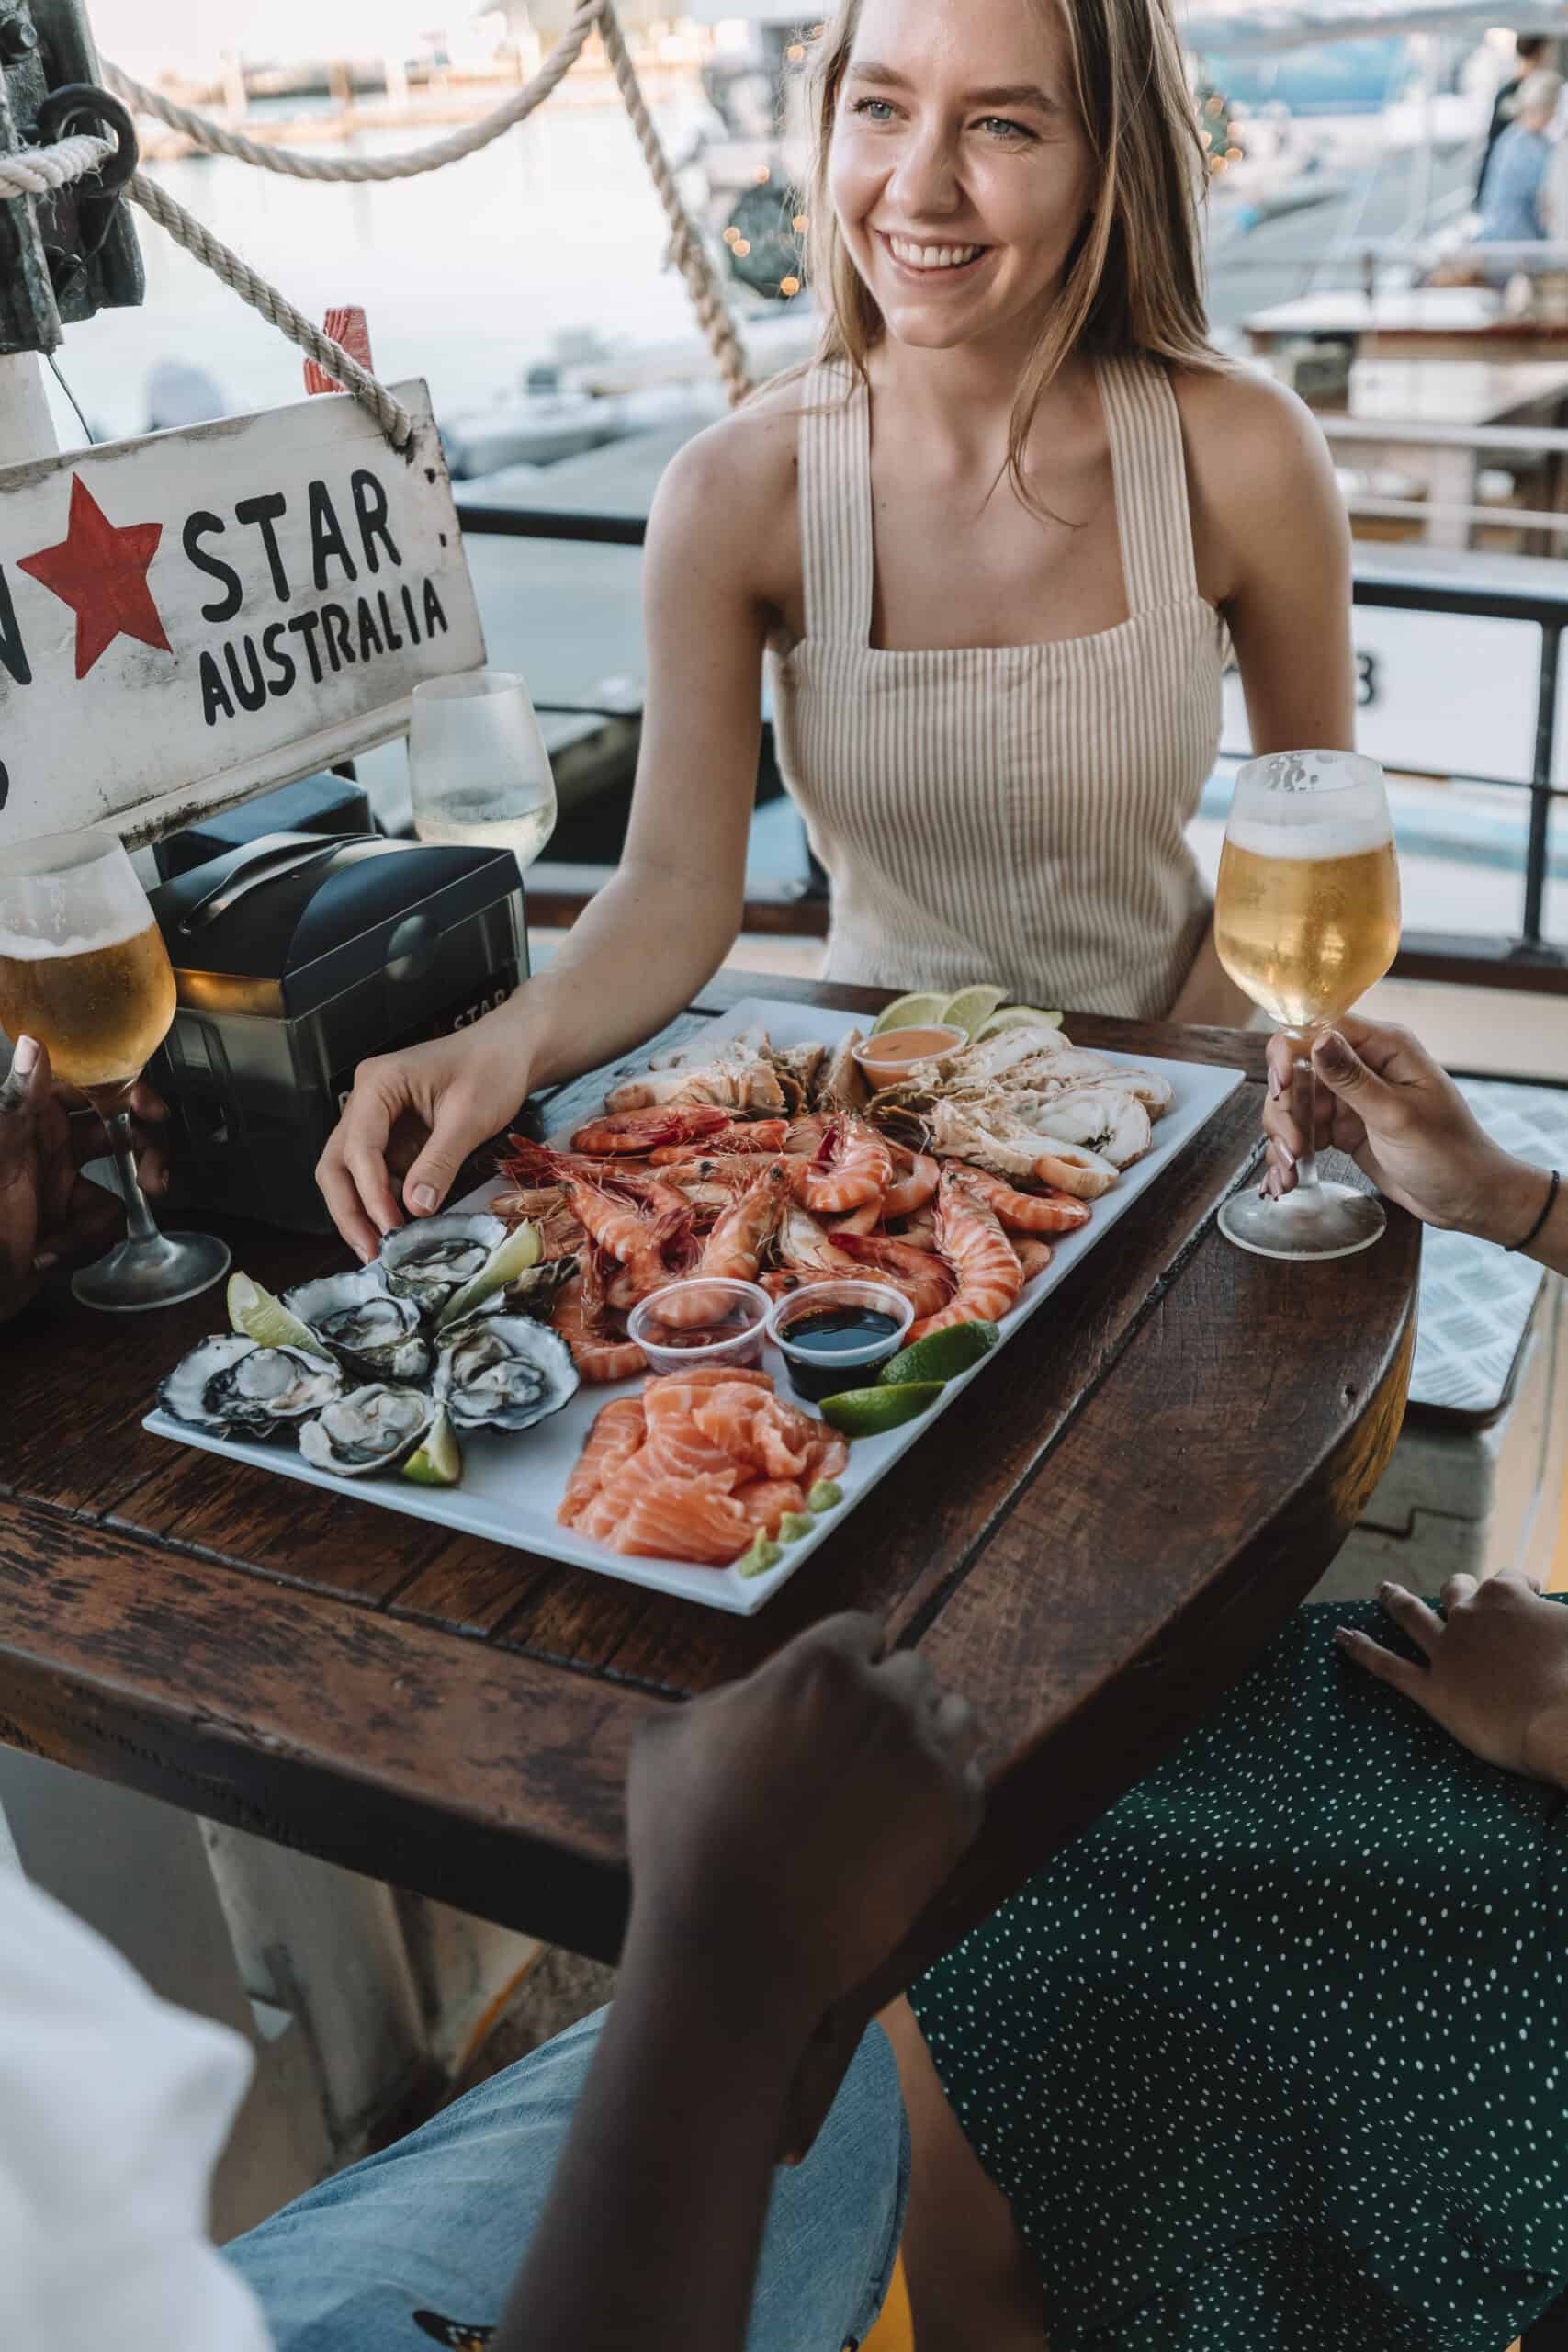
990	550
1273	2058
1512	197
51	1213
1530	52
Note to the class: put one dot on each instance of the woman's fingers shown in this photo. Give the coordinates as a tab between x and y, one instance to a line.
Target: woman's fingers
1457	1589
1398	1672
1413	1616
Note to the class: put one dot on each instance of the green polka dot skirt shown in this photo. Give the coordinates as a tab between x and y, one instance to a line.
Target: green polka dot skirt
1274	2058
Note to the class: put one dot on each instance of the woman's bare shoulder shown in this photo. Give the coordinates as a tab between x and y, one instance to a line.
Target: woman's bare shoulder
1258	473
1240	425
732	490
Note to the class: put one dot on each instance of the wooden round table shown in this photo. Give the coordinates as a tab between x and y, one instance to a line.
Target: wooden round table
1101	1533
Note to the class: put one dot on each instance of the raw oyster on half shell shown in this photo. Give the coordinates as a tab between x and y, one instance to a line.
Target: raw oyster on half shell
230	1384
374	1427
431	1257
368	1326
503	1372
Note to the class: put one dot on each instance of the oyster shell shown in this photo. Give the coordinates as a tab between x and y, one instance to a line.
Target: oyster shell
503	1372
431	1257
227	1382
368	1328
374	1427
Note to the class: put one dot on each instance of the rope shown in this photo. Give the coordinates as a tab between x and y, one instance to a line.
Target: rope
218	141
390	415
687	249
38	171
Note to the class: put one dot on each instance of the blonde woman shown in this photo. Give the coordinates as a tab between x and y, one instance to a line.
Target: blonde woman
991	546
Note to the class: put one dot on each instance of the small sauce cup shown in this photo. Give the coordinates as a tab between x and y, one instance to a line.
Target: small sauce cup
822	1365
884	1059
704	1321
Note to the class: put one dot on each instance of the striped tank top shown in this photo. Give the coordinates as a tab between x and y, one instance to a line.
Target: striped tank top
1006	813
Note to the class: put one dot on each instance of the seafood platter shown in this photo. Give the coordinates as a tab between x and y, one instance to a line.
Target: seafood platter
679	1341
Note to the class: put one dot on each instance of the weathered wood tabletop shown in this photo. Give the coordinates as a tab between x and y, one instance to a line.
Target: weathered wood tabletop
1095	1540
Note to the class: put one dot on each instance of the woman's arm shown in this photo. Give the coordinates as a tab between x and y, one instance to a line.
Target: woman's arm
1272	545
663	924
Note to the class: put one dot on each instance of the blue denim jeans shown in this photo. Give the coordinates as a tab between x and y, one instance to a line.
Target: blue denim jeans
422	2243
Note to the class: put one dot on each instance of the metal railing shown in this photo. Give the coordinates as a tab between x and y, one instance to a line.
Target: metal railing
1528	960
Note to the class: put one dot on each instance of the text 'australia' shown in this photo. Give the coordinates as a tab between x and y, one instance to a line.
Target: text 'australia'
363	602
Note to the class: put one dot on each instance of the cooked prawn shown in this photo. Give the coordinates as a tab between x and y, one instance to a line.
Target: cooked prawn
733	1250
911	1189
634	1132
925	1280
598	1349
851	1165
1034	1255
1049	1211
986	1266
749	1135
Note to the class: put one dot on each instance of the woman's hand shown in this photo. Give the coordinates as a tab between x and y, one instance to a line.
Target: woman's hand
1496	1670
50	1212
411	1121
1387	1104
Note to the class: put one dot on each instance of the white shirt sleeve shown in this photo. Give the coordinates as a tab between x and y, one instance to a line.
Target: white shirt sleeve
114	2109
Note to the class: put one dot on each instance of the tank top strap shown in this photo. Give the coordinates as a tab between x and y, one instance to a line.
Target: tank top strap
836	547
1149	466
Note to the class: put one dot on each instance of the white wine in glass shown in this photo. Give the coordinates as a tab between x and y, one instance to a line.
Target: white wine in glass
478	772
83	969
1306	918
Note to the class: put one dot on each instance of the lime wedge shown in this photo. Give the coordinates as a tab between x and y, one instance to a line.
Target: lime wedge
941	1355
971	1007
439	1461
509	1259
919	1012
867	1412
1017	1016
259	1317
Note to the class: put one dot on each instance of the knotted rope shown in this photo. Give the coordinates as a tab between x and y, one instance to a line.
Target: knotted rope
41	171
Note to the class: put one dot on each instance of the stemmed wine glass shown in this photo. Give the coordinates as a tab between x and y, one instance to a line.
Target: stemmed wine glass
84	968
1306	918
478	767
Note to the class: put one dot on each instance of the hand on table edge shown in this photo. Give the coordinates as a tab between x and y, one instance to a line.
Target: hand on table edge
51	1214
784	1832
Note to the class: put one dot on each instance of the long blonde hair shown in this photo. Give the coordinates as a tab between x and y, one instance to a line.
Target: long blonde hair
1135	279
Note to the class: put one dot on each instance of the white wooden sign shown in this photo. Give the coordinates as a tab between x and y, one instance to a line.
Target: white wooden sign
191	617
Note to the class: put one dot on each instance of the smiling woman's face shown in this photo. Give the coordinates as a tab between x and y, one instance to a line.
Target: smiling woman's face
959	170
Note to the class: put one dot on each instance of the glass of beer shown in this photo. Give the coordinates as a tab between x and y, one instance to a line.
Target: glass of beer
478	771
83	969
1306	917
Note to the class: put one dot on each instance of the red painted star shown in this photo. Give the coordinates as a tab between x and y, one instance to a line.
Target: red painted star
99	569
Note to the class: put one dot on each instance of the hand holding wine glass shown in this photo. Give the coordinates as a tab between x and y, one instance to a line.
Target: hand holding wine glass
1306	918
83	969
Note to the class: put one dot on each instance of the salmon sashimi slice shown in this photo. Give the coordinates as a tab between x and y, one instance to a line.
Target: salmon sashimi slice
683	1519
766	1500
680	1446
711	1375
829	1457
617	1431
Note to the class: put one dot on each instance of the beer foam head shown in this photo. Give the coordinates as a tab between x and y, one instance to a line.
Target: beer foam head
68	894
1295	836
33	947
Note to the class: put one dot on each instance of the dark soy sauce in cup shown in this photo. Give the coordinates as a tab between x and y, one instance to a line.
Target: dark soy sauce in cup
830	1334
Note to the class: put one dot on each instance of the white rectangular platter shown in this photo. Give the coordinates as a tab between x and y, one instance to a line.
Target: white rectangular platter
512	1486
